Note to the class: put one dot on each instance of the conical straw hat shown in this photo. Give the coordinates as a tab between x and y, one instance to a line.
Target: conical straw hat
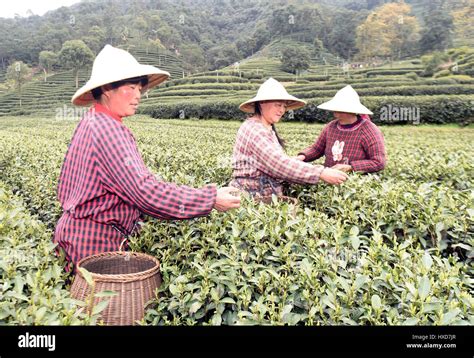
114	64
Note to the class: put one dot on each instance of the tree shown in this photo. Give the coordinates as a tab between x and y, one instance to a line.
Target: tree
75	55
318	47
370	38
432	62
295	59
341	38
141	26
463	25
193	57
47	60
18	73
387	31
406	30
95	39
222	56
438	31
305	20
246	46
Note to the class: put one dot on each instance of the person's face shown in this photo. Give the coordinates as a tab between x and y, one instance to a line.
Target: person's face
272	111
344	117
124	100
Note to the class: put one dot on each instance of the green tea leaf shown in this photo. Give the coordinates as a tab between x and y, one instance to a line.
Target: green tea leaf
100	307
106	293
376	302
427	260
355	241
360	281
462	246
410	321
411	288
195	306
227	300
40	314
424	287
449	317
87	276
216	320
354	231
291	319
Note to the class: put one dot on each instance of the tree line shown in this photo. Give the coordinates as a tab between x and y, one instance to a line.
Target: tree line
211	34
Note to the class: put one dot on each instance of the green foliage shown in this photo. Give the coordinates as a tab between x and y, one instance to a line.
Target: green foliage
385	249
418	90
432	62
237	30
385	72
18	73
442	73
432	109
295	59
75	55
413	76
437	33
389	30
47	59
33	278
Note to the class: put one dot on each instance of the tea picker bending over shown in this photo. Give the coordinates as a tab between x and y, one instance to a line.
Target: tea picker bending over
260	165
104	186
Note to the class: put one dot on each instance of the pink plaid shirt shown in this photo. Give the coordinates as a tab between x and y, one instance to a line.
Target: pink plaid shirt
261	166
104	188
363	146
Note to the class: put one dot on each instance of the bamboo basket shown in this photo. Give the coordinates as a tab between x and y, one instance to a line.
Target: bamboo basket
134	276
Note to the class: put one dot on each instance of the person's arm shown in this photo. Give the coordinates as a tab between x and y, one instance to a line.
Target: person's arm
123	172
316	150
373	144
271	160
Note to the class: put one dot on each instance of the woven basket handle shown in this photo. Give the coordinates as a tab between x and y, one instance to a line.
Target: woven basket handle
127	253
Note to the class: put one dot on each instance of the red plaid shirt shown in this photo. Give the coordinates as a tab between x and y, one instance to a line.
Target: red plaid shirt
363	147
104	188
260	165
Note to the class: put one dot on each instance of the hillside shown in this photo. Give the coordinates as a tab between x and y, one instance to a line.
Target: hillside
216	94
50	96
220	51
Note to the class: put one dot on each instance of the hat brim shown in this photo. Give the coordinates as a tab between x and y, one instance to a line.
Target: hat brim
345	107
293	103
83	96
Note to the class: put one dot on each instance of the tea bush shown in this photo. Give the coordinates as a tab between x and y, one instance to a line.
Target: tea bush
390	248
432	109
32	290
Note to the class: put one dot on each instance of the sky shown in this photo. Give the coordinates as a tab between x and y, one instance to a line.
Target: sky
38	7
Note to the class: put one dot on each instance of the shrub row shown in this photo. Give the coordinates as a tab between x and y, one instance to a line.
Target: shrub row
397	91
245	74
313	78
335	85
396	109
373	73
208	86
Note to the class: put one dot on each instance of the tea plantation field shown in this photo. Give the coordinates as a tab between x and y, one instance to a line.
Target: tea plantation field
393	248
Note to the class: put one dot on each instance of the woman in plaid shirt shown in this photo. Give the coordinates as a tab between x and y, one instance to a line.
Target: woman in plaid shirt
104	186
260	165
351	142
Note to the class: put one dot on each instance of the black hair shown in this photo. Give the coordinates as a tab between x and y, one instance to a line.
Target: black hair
258	111
143	80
